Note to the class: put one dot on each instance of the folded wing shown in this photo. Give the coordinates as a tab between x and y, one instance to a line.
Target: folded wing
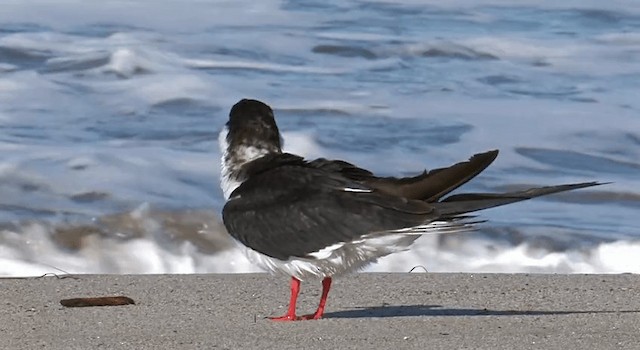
429	186
305	210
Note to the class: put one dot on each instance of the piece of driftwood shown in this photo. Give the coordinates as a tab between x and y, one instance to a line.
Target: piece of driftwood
97	301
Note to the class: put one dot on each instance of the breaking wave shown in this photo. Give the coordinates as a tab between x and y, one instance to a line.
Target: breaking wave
147	241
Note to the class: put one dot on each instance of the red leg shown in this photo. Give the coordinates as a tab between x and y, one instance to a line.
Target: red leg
291	313
326	285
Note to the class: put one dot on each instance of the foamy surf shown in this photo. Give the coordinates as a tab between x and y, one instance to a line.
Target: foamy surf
148	241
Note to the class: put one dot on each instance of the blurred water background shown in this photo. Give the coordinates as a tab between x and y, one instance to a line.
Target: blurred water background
109	115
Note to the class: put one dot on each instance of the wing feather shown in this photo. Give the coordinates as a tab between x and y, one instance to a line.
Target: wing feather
312	211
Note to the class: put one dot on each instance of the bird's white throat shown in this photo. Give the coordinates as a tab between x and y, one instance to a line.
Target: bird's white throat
233	160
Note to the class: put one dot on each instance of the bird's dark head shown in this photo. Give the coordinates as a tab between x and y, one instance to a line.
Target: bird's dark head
250	133
251	124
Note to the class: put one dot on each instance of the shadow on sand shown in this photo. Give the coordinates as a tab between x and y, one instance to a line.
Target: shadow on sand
438	310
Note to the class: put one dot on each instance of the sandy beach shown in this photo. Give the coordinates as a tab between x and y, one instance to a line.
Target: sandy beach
365	311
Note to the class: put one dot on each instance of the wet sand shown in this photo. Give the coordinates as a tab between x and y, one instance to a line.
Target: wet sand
364	311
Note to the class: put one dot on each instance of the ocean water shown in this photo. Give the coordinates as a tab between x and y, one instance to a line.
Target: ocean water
109	115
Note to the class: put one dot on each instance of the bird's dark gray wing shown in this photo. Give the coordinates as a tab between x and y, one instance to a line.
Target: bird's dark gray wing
429	186
433	185
343	168
295	210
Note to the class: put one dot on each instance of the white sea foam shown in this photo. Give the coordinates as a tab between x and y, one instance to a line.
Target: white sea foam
31	253
487	256
260	66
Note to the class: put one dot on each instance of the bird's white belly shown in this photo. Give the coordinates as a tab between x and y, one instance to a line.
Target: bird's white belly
334	260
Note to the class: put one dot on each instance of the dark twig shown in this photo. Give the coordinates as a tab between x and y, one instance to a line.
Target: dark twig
418	266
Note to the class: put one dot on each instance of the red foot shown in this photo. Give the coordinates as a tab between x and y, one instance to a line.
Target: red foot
285	318
310	317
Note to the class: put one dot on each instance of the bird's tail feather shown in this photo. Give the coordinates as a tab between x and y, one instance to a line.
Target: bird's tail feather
456	224
469	202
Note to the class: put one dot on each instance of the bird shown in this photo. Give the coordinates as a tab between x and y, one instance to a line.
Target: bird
320	219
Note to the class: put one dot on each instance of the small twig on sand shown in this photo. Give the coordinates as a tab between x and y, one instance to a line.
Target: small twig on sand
48	274
418	266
